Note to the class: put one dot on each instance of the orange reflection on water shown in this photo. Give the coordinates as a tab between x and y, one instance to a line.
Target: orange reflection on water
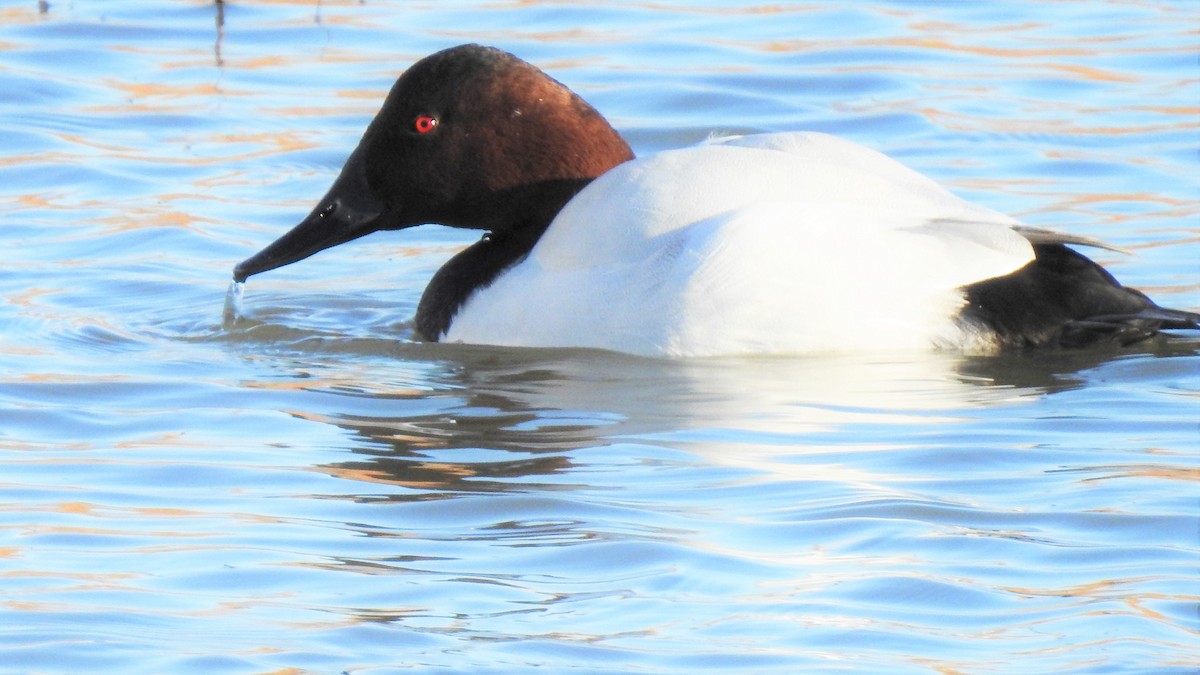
1168	472
1060	124
136	218
16	16
176	92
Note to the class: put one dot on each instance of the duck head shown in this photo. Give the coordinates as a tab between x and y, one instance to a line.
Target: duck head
469	137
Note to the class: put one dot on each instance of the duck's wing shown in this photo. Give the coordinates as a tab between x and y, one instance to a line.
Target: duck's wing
1037	235
620	214
804	277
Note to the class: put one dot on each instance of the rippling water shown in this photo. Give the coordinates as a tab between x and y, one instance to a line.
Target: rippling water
310	491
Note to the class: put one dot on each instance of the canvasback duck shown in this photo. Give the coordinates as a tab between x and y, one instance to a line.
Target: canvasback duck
772	243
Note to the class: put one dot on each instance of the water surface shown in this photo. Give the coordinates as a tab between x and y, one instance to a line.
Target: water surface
308	490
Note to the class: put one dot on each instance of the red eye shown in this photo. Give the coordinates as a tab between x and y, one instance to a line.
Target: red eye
424	124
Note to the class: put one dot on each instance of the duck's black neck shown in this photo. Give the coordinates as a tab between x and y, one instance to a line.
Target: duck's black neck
476	266
525	213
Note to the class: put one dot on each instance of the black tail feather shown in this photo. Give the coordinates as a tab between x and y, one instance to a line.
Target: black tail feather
1063	299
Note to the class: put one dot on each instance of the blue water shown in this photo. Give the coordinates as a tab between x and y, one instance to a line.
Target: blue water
308	490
